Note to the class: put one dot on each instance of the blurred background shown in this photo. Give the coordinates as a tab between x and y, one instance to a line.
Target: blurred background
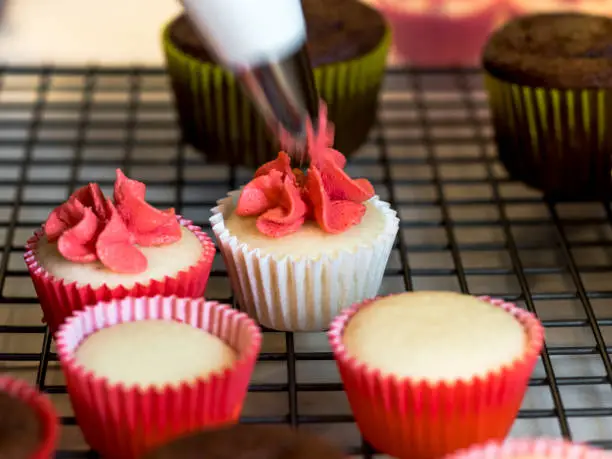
426	32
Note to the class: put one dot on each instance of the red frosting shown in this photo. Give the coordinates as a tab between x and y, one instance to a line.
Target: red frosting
282	199
90	227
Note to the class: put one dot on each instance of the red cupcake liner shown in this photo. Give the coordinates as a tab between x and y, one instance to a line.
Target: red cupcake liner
122	422
59	300
532	447
405	417
42	406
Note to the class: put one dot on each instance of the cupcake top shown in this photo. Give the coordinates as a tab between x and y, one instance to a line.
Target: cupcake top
153	353
555	50
338	30
285	211
93	240
434	336
21	432
248	442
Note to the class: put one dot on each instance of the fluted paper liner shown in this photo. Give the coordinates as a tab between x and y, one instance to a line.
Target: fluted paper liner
42	407
555	140
59	299
217	118
302	294
417	419
122	422
533	448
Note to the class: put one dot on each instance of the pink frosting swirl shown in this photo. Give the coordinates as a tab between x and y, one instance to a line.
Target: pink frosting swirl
282	199
89	227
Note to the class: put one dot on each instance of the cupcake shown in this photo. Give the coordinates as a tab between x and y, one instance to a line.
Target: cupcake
536	448
28	423
348	44
299	247
245	442
428	373
549	82
441	33
143	371
94	249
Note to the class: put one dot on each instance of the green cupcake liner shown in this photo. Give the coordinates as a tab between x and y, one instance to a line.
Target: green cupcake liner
217	119
554	140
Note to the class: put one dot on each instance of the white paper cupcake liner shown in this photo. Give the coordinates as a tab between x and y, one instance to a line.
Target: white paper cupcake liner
302	294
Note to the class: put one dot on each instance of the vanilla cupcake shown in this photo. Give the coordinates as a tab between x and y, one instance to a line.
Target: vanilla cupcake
143	371
532	448
94	249
300	247
427	373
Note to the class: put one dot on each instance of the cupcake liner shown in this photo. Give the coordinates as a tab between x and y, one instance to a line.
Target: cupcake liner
554	140
218	119
406	417
301	294
59	300
42	406
532	447
122	422
440	40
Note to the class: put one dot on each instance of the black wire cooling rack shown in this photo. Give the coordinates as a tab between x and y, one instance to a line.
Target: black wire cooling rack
465	227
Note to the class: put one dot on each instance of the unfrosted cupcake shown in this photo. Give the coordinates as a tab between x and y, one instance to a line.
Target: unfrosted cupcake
534	448
427	373
94	249
28	423
549	84
300	247
347	44
246	442
434	33
143	371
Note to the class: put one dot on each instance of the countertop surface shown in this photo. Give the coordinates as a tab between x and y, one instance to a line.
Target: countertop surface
77	32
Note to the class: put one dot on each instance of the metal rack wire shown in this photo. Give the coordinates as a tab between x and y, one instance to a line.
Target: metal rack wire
465	227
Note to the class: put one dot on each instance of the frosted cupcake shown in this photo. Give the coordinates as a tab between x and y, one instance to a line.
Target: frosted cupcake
300	247
28	423
428	373
536	448
143	371
94	249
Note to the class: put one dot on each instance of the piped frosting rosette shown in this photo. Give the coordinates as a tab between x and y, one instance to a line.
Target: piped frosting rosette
532	448
107	238
296	289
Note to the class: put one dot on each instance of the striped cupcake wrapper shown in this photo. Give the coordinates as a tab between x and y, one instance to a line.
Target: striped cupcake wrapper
219	120
554	140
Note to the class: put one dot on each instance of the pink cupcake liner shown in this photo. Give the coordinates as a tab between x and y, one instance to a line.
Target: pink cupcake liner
122	422
59	300
43	408
437	40
406	417
533	447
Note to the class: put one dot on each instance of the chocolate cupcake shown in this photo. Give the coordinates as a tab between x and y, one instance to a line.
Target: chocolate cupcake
28	423
247	442
549	79
348	44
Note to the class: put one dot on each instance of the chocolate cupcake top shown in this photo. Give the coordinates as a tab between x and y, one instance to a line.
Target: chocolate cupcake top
338	30
557	50
21	431
247	442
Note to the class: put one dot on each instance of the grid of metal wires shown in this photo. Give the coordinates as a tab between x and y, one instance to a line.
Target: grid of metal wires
465	226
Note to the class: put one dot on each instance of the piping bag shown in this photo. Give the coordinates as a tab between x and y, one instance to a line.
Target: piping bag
263	43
